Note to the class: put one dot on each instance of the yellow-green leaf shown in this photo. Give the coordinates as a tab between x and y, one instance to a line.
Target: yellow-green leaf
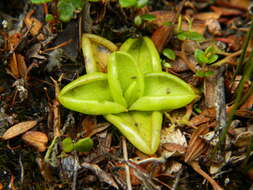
163	91
142	129
145	54
90	94
126	82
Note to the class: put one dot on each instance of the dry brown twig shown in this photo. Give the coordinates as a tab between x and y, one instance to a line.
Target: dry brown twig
197	168
125	154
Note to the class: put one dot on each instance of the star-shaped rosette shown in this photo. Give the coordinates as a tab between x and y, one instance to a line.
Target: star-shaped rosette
133	93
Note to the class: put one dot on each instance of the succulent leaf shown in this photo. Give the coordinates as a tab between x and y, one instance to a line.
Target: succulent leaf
142	129
126	82
163	91
96	51
144	52
90	94
84	145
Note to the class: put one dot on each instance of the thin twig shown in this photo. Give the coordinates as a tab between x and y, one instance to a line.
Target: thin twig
21	169
151	160
220	102
57	46
227	58
125	155
75	173
197	168
175	185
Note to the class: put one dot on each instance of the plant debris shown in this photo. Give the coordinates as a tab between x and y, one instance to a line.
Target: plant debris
47	44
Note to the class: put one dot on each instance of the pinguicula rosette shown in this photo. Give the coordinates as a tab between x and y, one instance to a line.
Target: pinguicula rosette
134	92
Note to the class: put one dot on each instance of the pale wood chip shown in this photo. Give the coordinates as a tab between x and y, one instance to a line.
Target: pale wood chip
36	139
18	129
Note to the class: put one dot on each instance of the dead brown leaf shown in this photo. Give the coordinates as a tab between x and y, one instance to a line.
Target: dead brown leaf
18	66
249	103
197	145
36	139
244	113
206	16
198	27
246	109
13	65
238	4
14	40
22	68
173	143
161	36
226	11
32	23
205	116
171	147
18	129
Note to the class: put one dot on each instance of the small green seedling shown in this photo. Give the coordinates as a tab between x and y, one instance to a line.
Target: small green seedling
206	57
166	64
138	20
148	17
167	23
65	8
40	1
203	74
49	17
169	53
132	94
82	145
67	145
188	35
133	3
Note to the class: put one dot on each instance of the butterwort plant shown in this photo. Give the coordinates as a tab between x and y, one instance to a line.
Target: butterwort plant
132	94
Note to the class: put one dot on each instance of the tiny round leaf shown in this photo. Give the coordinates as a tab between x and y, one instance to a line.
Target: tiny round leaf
67	145
84	145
